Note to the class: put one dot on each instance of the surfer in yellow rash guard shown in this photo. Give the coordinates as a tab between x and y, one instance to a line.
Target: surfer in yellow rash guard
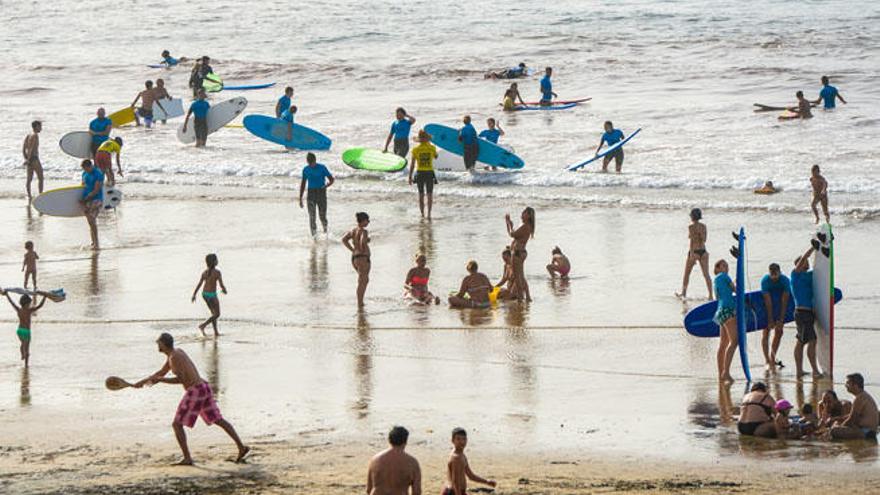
511	96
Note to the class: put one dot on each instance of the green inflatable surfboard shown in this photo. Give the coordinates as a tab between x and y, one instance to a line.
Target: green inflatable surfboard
373	160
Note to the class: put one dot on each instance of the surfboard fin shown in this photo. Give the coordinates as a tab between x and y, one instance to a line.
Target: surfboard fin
815	244
734	251
735	236
826	252
822	237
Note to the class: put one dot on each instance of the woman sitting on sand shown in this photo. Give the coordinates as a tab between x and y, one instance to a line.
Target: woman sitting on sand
474	290
756	413
416	283
832	409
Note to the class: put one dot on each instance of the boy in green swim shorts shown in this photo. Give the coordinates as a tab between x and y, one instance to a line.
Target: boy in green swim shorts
211	277
25	311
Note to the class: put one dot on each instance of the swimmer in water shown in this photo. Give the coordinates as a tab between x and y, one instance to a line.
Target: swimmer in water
697	253
475	286
510	73
416	283
558	264
767	188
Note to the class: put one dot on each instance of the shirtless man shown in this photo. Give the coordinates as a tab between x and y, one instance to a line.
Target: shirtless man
458	471
147	97
820	193
393	471
198	400
476	285
804	106
697	253
30	150
358	242
862	421
161	93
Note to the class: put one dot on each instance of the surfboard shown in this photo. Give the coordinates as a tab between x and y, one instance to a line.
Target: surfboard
55	295
489	154
212	83
77	144
373	160
823	299
741	260
770	108
247	87
122	117
275	131
157	66
789	115
65	201
561	102
608	150
173	108
699	321
218	116
521	108
450	162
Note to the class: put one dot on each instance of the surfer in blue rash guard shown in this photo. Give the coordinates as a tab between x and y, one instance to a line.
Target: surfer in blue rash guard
829	94
804	318
776	291
725	317
287	116
611	136
284	102
400	132
547	93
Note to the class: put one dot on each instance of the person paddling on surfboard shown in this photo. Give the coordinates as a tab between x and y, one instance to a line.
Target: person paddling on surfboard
776	291
725	317
400	132
611	136
197	402
547	93
170	61
804	318
284	102
199	110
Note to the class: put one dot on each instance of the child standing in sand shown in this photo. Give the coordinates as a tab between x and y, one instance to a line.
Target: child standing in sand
820	193
29	265
458	471
416	283
25	312
211	277
558	264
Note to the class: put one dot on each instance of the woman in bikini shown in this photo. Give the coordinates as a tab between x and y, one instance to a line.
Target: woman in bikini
510	98
210	278
756	413
697	253
725	317
474	290
358	242
416	283
521	236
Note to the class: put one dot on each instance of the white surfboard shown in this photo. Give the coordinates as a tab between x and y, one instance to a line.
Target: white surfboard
56	295
65	201
218	116
77	144
823	296
450	162
173	108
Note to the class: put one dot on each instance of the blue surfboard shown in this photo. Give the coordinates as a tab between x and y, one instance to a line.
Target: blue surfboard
741	304
490	153
608	150
700	322
275	131
521	108
247	87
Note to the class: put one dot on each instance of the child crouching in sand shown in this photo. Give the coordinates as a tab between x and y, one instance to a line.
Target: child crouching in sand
558	264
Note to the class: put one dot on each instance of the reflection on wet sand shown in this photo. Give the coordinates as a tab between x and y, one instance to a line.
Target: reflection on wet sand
212	365
33	223
25	396
559	287
475	317
318	274
426	246
363	347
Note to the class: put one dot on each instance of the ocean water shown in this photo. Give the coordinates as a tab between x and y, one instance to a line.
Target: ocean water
686	72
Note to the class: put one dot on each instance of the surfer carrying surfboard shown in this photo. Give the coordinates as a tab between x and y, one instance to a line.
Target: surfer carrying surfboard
99	129
400	132
725	317
611	136
467	136
199	110
30	150
804	318
92	197
284	102
147	98
161	93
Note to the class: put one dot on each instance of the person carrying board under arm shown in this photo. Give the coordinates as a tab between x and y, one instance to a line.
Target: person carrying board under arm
199	110
467	136
611	136
99	129
284	102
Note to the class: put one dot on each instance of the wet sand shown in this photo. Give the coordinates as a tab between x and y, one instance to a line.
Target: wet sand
596	371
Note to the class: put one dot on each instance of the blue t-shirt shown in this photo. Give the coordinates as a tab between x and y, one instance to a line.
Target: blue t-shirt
828	94
400	128
283	104
546	88
89	179
100	125
491	135
287	116
802	289
613	137
723	291
315	176
468	134
171	61
199	108
776	289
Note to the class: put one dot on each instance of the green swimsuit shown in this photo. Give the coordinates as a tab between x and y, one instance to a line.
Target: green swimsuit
23	333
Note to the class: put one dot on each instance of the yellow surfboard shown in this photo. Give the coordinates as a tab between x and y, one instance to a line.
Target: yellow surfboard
122	117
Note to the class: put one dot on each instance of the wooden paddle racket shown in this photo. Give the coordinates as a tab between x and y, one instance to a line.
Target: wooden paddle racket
116	383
